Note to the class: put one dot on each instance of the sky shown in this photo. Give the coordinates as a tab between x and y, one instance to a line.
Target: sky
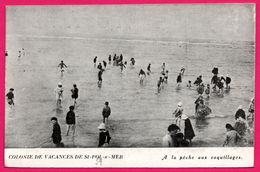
226	22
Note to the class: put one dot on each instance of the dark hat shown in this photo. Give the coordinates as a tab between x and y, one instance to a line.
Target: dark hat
54	118
106	103
11	89
173	127
71	107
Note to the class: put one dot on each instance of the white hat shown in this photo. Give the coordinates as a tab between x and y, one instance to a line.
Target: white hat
252	99
59	83
240	107
102	126
180	104
227	75
183	116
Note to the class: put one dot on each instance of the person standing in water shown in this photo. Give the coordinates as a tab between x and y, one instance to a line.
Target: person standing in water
182	70
142	75
95	61
99	66
10	97
75	93
56	132
159	85
188	129
179	79
228	81
207	91
169	140
100	78
106	113
163	67
199	102
109	59
62	66
104	64
104	136
149	69
166	77
177	114
59	94
71	120
231	137
122	66
250	117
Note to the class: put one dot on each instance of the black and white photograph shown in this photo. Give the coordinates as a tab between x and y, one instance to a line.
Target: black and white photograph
130	76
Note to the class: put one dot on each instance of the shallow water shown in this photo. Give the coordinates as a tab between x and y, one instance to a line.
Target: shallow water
139	116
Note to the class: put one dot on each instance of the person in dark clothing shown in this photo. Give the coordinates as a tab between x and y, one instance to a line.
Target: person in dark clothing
121	58
75	93
71	120
95	61
132	61
149	69
114	60
201	88
100	66
109	59
180	141
10	97
106	113
215	71
62	66
100	78
198	80
188	129
159	84
104	136
240	113
198	102
104	63
179	79
228	81
56	133
122	66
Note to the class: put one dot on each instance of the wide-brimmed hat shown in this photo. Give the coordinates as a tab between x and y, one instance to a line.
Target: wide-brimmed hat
60	83
11	89
180	104
102	126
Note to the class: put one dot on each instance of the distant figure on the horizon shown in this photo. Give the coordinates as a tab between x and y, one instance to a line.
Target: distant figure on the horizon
23	52
19	55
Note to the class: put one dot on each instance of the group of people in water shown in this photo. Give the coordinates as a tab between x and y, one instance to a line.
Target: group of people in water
180	132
